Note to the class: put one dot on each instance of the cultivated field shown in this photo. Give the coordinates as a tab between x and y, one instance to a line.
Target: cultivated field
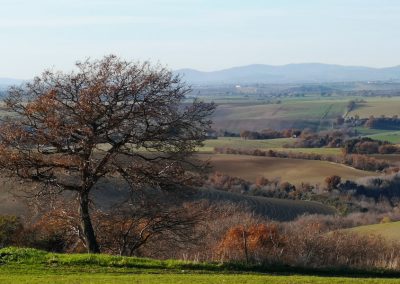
316	113
289	113
377	107
292	170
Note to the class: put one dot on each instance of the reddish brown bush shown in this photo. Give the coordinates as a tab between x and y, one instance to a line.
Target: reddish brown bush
251	243
332	182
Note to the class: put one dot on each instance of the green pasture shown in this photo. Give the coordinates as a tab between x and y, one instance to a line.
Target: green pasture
263	144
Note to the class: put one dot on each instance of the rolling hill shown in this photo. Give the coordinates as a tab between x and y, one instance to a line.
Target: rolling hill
294	171
272	208
111	192
291	73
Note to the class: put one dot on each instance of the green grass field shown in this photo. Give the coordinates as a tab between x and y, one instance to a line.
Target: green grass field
237	142
377	107
380	134
390	136
263	144
32	266
44	277
365	131
388	230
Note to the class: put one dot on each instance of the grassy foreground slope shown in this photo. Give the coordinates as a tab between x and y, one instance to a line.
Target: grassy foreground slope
122	278
292	170
390	230
33	266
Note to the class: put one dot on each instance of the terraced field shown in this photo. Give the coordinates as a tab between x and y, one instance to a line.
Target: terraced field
291	170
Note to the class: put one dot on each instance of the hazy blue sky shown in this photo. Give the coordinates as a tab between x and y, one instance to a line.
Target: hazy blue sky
202	34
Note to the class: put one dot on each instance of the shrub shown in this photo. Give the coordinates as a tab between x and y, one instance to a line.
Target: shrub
332	182
385	220
253	243
10	227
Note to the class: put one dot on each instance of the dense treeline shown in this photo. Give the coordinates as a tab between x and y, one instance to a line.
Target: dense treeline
369	194
367	145
270	134
343	138
330	139
391	123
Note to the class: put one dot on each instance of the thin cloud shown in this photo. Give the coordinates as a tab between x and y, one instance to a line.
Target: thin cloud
75	21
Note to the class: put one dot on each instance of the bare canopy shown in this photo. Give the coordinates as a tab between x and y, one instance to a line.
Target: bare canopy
108	118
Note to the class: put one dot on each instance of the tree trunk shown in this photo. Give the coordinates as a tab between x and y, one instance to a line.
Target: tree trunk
86	224
245	246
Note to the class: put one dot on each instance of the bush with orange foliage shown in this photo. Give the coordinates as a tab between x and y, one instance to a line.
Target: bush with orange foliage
332	182
256	242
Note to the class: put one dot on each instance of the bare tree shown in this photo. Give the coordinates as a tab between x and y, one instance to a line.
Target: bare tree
109	118
126	229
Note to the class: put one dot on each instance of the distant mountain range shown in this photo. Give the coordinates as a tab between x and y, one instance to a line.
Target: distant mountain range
291	73
284	74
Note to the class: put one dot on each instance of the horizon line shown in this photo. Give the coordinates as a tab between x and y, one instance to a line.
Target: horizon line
283	65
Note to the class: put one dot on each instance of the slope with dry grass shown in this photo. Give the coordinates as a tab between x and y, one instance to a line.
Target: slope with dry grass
390	230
